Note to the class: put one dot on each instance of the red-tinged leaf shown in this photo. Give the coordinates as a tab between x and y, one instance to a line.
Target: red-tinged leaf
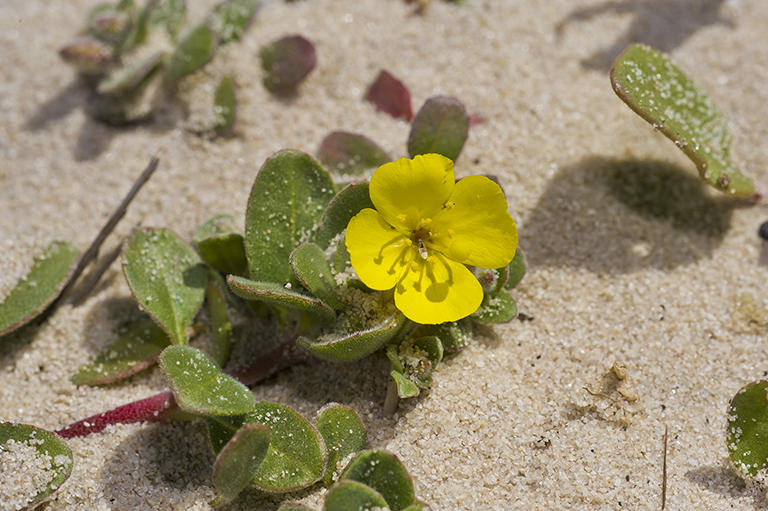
475	119
287	62
151	409
350	153
389	95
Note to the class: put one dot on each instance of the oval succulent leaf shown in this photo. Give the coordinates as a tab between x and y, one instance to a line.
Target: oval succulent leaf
391	96
136	348
748	429
110	24
239	460
53	461
49	274
348	495
287	62
344	435
87	55
225	105
289	196
498	307
358	344
659	92
296	456
168	14
221	246
130	77
312	269
221	326
230	18
166	277
195	50
275	294
383	472
441	126
349	202
200	387
350	153
515	270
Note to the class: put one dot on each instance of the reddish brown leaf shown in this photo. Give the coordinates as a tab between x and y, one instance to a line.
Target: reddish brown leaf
388	94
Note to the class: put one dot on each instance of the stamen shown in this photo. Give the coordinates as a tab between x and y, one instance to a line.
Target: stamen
449	205
424	222
414	265
401	218
432	260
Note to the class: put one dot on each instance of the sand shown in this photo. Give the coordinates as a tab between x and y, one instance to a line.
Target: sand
631	260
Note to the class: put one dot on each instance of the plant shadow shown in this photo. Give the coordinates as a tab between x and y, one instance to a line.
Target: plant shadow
620	216
662	24
724	480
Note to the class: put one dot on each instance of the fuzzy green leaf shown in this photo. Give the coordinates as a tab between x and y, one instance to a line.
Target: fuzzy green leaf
225	105
384	473
221	245
170	15
200	387
195	50
53	458
287	62
166	277
498	307
353	345
454	336
515	270
229	19
349	202
405	386
415	359
239	460
312	269
297	453
275	294
353	496
221	326
344	435
748	429
129	78
659	92
289	196
110	24
50	272
136	348
350	153
441	126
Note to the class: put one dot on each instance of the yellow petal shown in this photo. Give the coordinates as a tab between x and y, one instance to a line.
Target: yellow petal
376	249
477	230
406	191
438	291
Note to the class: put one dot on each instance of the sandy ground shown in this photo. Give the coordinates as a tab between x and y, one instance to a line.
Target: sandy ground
631	259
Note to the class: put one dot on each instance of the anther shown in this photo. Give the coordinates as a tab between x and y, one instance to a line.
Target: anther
401	218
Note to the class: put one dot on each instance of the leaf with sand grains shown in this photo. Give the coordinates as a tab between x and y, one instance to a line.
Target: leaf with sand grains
221	245
383	472
50	272
287	62
441	126
230	18
349	202
24	447
344	435
311	267
239	460
659	92
200	387
748	431
166	277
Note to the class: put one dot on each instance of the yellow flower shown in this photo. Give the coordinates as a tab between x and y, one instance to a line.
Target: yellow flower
425	229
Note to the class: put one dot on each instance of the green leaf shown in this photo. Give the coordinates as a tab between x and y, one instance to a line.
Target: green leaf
350	153
221	245
515	270
166	277
110	24
286	63
170	15
296	455
454	336
229	19
416	358
225	105
239	460
384	473
347	203
344	435
134	105
275	294
50	272
748	429
221	326
312	269
288	197
659	92
293	506
498	307
88	55
344	346
130	77
200	387
405	386
353	496
137	347
31	456
441	126
195	50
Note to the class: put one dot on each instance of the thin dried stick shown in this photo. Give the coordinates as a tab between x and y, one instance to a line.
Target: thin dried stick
664	472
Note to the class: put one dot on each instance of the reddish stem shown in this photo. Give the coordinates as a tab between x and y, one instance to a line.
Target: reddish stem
151	409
